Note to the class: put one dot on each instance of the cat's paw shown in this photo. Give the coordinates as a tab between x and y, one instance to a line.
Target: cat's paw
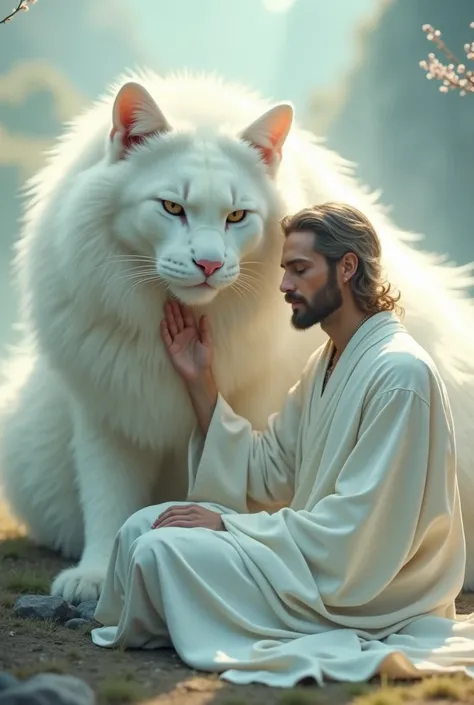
79	584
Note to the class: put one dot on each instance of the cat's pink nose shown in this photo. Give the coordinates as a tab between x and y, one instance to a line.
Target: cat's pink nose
208	266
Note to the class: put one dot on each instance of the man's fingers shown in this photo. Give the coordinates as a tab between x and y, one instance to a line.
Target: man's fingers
182	523
165	333
188	317
170	320
205	331
178	316
189	516
181	508
174	515
185	511
175	520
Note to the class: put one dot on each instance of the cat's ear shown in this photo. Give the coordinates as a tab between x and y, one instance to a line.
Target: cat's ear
269	132
135	115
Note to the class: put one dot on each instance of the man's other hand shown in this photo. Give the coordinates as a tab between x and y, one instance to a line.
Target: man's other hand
189	516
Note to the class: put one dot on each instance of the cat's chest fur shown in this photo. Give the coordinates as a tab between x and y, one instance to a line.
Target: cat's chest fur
124	377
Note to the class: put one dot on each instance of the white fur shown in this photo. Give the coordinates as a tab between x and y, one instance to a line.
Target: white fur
95	421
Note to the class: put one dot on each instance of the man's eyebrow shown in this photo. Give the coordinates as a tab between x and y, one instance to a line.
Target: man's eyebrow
295	260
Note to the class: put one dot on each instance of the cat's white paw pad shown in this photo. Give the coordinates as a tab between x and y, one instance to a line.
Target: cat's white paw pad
79	584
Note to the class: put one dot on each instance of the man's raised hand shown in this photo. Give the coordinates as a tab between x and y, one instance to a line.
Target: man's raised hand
189	345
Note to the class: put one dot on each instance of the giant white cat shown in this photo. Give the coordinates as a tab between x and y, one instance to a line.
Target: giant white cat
174	187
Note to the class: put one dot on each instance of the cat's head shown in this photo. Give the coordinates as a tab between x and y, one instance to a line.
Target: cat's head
192	204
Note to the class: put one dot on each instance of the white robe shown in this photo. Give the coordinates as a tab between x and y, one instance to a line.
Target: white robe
357	576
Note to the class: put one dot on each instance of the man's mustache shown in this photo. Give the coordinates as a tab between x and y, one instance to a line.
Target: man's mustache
294	299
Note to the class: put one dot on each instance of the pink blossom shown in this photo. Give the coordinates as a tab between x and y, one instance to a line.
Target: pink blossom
23	6
453	76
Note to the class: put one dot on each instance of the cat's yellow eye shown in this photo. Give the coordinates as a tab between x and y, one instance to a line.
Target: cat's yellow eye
236	216
173	208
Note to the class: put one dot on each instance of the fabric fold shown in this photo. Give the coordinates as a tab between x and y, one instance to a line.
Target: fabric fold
356	575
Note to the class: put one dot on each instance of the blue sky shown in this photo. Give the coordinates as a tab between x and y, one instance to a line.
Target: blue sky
283	48
286	49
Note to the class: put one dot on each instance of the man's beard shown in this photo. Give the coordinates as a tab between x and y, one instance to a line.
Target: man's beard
324	303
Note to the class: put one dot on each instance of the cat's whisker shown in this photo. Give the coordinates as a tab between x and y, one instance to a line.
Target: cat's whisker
251	276
248	290
253	271
145	280
148	258
245	276
256	263
121	277
235	288
126	259
251	284
244	288
139	270
261	283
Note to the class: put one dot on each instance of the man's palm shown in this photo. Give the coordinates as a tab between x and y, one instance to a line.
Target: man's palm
188	353
188	345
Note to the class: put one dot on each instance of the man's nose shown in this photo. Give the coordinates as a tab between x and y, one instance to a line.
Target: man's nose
286	285
208	266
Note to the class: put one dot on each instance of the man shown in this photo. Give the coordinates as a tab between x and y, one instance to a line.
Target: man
359	573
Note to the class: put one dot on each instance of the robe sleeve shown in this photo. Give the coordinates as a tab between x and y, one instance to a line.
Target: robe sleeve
234	462
391	495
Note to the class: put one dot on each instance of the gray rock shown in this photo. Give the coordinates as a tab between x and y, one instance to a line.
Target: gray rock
76	623
45	607
7	680
87	609
49	689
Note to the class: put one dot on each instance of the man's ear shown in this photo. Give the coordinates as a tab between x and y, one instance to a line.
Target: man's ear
269	132
135	116
349	266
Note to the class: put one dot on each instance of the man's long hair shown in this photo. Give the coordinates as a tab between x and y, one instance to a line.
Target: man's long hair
338	229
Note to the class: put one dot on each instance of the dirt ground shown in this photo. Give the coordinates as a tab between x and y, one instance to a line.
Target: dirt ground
158	678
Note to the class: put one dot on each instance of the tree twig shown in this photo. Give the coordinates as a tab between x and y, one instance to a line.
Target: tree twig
23	6
455	75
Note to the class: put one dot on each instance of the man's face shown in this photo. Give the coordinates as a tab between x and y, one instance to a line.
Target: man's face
309	283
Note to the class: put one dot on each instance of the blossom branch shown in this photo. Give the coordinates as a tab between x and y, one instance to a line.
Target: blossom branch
23	6
455	75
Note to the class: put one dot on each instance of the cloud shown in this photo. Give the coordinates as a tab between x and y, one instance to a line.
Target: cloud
22	151
38	75
25	153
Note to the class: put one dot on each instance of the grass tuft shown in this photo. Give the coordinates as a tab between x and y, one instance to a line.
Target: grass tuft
120	690
26	582
59	667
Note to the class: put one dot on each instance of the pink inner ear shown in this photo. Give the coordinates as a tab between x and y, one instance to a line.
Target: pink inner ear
268	154
128	140
127	109
269	132
279	128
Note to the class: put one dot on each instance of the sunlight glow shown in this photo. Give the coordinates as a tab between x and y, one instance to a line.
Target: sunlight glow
278	5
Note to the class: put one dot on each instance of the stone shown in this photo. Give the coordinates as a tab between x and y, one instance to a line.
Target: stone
44	607
49	689
7	680
76	623
87	609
